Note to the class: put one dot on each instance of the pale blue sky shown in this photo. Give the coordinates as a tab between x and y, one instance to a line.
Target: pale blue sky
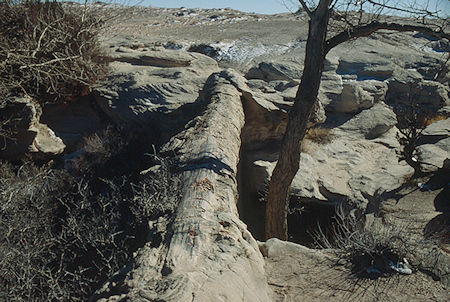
266	6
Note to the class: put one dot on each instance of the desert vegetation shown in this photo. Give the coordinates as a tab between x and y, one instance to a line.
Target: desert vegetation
412	122
371	250
47	53
74	222
64	233
66	226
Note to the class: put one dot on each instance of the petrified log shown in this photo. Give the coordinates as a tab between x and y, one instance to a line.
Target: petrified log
207	253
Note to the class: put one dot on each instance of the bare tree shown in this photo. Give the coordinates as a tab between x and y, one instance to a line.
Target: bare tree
350	19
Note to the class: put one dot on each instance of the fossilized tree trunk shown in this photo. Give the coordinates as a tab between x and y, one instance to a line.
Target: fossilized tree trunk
207	253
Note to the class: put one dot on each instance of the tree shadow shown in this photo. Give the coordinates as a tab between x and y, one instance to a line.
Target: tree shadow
439	227
206	162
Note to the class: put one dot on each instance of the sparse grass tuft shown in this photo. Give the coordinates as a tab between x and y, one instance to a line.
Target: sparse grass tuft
96	149
319	135
316	136
371	251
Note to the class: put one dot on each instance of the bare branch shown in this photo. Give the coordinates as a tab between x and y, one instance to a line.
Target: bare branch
342	17
305	7
49	62
366	30
40	41
414	11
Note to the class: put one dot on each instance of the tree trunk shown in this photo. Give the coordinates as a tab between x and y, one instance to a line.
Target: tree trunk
289	157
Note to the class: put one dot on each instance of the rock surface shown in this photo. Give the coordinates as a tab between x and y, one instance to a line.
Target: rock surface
349	166
147	87
357	96
346	168
434	150
30	136
371	123
359	163
433	157
295	272
440	129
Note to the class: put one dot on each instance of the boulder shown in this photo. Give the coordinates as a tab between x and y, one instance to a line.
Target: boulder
435	132
433	157
438	129
359	160
347	168
357	96
330	88
430	95
371	123
28	134
46	143
367	66
273	71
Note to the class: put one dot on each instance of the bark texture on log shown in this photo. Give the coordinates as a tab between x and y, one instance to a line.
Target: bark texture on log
207	253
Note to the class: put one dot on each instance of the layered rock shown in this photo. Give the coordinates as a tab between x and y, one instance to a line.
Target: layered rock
434	151
430	95
356	96
149	85
371	123
273	71
359	161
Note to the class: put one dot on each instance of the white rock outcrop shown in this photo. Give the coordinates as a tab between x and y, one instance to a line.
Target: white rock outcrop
147	85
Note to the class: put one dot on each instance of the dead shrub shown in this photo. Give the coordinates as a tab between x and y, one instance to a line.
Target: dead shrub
160	185
319	135
96	149
47	52
434	118
412	121
371	251
62	236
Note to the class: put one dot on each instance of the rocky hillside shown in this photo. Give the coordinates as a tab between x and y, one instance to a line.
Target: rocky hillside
211	89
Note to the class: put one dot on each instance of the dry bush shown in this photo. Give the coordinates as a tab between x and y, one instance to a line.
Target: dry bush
160	185
369	250
47	52
412	121
62	236
434	118
319	135
96	149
